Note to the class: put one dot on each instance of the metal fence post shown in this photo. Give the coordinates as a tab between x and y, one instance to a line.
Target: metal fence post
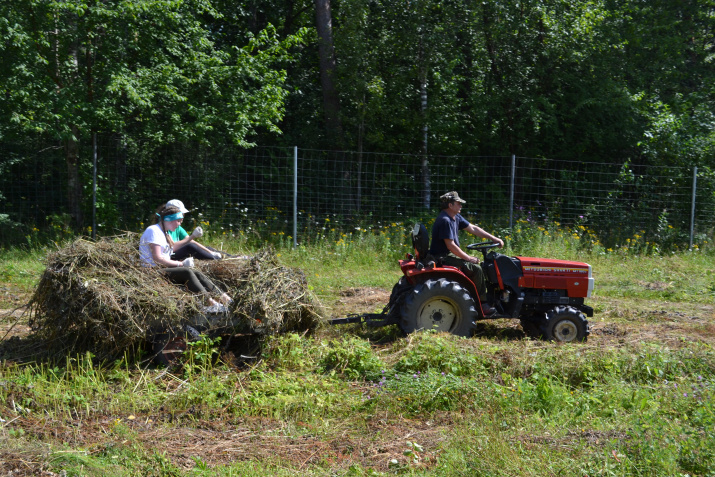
511	192
94	186
295	196
692	208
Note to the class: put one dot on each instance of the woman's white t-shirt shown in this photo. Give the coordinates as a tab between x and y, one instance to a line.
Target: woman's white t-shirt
155	235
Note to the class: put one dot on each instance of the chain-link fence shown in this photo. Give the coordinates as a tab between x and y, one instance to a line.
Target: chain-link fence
293	190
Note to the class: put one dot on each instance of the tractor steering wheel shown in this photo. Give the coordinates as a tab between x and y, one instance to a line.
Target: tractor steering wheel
482	246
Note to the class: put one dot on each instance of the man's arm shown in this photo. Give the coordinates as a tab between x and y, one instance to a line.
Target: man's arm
480	232
454	248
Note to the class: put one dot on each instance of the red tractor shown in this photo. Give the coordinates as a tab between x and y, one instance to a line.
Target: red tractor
547	295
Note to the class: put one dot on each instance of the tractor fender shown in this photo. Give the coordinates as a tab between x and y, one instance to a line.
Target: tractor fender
416	277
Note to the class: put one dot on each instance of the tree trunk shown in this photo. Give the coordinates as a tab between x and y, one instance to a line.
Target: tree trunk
326	51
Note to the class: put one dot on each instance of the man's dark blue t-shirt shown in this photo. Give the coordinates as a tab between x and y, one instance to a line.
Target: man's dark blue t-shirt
446	227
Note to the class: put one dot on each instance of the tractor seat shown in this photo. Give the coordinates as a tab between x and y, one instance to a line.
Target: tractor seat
420	242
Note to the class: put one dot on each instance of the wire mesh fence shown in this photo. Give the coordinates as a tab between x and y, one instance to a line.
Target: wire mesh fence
293	190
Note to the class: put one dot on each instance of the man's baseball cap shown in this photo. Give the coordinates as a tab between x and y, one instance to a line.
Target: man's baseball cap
452	196
179	204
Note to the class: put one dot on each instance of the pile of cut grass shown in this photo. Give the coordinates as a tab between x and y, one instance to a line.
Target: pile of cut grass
97	297
269	297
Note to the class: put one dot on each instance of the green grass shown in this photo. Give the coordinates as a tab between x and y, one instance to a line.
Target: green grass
19	273
636	399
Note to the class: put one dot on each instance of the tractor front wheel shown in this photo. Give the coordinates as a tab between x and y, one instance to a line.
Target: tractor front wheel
565	324
440	305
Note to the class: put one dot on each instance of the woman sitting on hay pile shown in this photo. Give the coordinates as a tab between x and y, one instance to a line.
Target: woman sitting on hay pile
185	245
155	247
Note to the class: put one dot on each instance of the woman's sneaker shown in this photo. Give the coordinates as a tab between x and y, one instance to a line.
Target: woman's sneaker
215	309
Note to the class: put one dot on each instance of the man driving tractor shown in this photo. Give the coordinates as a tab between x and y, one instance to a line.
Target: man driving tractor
445	243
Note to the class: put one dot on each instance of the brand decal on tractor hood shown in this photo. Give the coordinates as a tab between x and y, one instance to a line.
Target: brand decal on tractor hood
555	269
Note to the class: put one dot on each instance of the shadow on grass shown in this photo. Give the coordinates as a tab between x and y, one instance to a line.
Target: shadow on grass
23	350
36	349
498	330
239	351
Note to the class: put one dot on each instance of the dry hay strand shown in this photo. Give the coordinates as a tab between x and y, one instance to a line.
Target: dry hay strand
97	297
268	298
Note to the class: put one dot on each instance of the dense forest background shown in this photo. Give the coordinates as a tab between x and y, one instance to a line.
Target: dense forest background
168	83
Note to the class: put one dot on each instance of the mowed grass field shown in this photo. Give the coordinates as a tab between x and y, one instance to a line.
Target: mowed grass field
635	399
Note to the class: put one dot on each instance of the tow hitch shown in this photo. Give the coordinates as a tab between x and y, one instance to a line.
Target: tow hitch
370	319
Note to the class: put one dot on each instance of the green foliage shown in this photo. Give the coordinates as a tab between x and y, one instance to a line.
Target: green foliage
433	352
599	80
200	355
164	80
615	83
351	357
146	72
418	393
289	352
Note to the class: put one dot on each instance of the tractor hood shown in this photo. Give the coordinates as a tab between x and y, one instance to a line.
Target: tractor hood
547	273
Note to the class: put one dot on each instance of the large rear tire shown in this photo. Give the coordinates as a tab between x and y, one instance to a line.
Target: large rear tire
440	305
397	297
565	324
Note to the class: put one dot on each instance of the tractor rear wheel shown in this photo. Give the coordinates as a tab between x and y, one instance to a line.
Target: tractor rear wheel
397	297
440	305
565	324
